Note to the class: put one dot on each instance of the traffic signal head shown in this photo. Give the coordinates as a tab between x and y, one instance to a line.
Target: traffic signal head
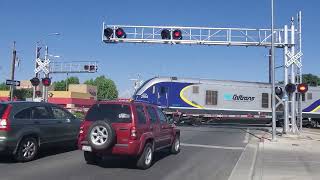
278	91
108	32
120	33
176	34
290	88
165	34
38	93
35	81
86	67
302	88
46	81
92	68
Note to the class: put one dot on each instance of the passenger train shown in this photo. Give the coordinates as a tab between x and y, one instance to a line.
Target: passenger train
220	101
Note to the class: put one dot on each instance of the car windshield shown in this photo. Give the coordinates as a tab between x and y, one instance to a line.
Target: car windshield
114	113
2	109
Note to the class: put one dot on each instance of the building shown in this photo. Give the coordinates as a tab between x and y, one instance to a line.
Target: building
78	96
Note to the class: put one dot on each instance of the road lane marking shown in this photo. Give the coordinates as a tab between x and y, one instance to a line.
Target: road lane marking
246	137
212	147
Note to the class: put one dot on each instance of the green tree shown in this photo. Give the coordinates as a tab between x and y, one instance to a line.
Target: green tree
311	80
22	94
4	87
61	85
107	89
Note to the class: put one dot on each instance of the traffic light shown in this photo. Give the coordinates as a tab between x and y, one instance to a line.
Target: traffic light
38	93
176	34
46	81
35	81
108	32
86	67
290	88
302	88
165	34
278	91
120	33
90	68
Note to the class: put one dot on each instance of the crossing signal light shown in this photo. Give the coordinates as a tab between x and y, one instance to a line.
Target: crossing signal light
278	91
165	34
176	34
290	88
302	88
38	93
35	81
120	33
46	81
90	68
108	32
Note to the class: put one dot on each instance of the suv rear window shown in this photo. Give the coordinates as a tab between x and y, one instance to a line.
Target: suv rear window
2	109
114	113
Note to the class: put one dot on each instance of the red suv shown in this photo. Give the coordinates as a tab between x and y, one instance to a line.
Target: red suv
128	128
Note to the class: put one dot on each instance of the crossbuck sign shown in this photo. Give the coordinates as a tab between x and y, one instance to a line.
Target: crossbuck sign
42	66
294	59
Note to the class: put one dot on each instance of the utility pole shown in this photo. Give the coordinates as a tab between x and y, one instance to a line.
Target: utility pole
273	99
13	65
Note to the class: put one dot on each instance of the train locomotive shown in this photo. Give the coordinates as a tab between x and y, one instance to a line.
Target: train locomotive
220	101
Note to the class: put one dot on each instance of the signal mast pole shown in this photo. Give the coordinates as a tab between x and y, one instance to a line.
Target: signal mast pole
273	100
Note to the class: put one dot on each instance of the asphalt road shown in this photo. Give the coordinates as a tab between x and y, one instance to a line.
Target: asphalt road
207	153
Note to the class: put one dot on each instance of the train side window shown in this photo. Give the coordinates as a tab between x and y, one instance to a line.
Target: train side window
309	96
195	89
163	90
265	100
211	97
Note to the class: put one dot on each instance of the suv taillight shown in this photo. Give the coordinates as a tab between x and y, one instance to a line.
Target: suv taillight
133	133
4	121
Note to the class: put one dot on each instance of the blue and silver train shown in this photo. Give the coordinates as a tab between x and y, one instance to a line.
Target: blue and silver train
220	100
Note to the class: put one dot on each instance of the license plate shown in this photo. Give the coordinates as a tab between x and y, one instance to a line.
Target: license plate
86	148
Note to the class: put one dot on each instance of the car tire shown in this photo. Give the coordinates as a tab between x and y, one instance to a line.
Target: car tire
101	135
175	147
27	150
145	159
91	157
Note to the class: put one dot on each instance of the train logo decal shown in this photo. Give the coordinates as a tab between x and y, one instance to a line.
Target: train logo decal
191	103
238	98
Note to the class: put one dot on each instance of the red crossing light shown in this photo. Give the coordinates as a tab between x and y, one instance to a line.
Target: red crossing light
176	34
165	34
302	88
120	33
35	81
290	88
38	93
108	32
46	81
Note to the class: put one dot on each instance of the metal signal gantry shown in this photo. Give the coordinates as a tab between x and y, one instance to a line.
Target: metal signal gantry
192	35
73	67
284	38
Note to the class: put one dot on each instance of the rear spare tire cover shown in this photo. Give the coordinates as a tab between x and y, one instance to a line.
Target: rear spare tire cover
101	135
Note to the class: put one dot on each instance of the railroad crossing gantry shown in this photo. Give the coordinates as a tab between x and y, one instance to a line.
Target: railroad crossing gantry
284	38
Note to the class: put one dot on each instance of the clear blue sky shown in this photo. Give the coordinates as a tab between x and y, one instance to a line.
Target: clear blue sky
80	22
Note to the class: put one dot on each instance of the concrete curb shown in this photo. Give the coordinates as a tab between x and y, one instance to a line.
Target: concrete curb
245	166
